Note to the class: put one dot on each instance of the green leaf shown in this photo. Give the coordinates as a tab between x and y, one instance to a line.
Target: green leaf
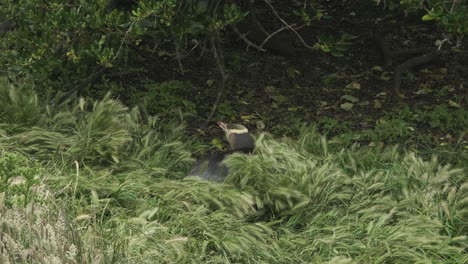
377	104
218	143
292	72
350	98
354	85
427	17
347	106
453	104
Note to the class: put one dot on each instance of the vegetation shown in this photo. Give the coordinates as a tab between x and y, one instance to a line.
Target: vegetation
450	14
62	44
105	104
123	201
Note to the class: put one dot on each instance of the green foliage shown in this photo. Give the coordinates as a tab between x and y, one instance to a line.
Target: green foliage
167	96
401	126
18	176
391	130
442	118
451	15
18	108
58	43
55	40
44	129
293	127
225	111
333	126
336	47
291	201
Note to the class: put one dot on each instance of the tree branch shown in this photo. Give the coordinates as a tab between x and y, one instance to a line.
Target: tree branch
288	26
217	53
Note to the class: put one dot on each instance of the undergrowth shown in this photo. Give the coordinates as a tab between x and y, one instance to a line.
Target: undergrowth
440	131
106	185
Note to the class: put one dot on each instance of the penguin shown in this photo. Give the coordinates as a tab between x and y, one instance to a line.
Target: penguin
213	168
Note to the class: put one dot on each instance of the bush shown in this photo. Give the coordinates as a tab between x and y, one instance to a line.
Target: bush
451	15
58	44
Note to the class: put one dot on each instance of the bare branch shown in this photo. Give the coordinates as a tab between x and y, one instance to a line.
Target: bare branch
288	25
272	35
453	5
123	40
217	53
179	61
246	40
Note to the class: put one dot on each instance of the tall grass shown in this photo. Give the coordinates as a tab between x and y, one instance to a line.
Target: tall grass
105	185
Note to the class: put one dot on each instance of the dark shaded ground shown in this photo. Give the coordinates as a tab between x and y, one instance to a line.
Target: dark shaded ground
289	85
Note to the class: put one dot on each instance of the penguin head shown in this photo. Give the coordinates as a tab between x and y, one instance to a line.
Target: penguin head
238	136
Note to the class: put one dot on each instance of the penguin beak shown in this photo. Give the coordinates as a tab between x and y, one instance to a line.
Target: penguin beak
223	126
